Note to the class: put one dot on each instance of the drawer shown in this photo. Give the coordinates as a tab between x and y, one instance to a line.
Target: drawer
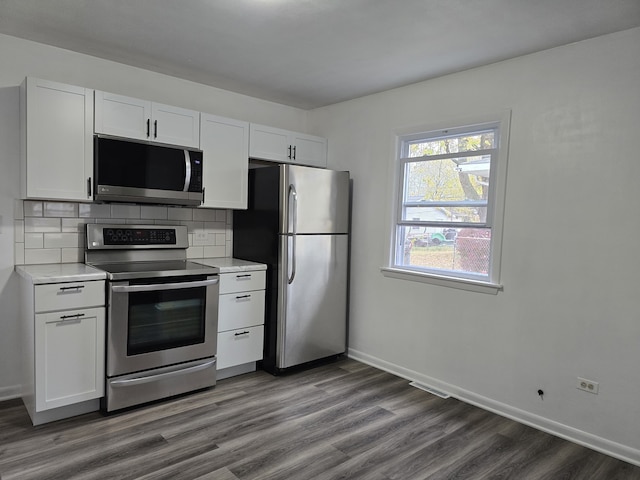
240	346
242	281
239	310
64	296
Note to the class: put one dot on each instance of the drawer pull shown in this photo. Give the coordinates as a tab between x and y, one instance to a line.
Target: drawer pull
239	297
70	317
76	287
246	275
237	334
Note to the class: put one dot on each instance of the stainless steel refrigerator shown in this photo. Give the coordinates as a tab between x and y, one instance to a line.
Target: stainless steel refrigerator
297	222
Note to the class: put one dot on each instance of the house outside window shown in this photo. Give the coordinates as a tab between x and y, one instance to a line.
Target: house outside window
449	207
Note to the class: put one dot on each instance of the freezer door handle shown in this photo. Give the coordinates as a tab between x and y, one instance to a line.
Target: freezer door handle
293	203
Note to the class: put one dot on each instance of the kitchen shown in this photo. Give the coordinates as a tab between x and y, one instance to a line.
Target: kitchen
546	327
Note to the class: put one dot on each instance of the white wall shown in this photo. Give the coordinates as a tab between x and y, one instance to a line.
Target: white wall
20	58
571	301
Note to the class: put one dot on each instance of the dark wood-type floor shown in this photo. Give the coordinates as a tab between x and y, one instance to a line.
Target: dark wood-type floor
345	420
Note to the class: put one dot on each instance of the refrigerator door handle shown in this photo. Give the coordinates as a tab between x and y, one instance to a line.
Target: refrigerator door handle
293	202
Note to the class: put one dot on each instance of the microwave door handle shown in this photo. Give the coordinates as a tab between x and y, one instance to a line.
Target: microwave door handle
187	168
162	286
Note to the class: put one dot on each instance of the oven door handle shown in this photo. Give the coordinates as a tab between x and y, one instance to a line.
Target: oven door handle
162	286
161	376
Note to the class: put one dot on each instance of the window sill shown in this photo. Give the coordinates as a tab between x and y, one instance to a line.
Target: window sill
459	283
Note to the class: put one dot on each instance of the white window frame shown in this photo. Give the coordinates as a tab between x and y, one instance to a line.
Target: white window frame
495	203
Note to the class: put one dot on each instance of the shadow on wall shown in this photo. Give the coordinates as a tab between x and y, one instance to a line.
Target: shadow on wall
9	191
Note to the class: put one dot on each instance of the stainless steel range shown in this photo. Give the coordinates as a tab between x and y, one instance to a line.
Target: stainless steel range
162	313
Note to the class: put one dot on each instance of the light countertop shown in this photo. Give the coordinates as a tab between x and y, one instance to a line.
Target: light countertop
59	273
230	265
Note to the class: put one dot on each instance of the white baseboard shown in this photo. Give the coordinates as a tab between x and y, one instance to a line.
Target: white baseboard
9	393
608	447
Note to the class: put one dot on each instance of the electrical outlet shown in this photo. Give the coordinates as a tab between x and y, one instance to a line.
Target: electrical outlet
588	385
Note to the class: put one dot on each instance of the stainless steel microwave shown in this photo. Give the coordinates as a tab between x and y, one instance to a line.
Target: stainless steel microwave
130	171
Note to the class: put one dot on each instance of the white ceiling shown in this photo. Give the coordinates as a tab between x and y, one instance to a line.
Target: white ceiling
310	53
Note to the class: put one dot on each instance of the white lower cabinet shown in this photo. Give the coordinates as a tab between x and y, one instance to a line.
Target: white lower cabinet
64	348
68	368
240	322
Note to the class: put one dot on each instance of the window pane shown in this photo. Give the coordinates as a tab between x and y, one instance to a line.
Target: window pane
447	190
462	251
444	145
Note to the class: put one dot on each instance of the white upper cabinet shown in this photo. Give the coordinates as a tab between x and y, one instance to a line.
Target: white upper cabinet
142	120
278	145
57	140
225	148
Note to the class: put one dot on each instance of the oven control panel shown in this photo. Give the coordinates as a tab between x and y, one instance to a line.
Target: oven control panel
139	236
111	236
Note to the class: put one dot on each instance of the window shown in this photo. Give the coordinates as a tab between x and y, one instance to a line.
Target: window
448	220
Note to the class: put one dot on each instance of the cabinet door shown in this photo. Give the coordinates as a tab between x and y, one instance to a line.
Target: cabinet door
174	125
310	150
269	143
57	158
69	357
240	346
122	116
225	146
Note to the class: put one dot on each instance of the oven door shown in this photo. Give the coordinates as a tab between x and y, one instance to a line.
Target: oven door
155	322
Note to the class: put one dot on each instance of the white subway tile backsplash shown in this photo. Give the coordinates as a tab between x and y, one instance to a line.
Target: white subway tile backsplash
229	217
41	225
54	232
138	221
153	212
18	231
193	226
179	213
75	224
63	240
72	255
195	252
204	214
33	240
228	252
43	255
115	221
217	251
215	227
32	209
125	211
18	253
60	209
94	210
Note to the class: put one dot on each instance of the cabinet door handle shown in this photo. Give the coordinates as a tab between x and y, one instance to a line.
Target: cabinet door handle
155	129
89	187
240	297
289	156
69	317
294	152
148	127
237	334
75	287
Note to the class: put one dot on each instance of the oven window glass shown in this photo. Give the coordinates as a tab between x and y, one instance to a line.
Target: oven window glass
165	319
